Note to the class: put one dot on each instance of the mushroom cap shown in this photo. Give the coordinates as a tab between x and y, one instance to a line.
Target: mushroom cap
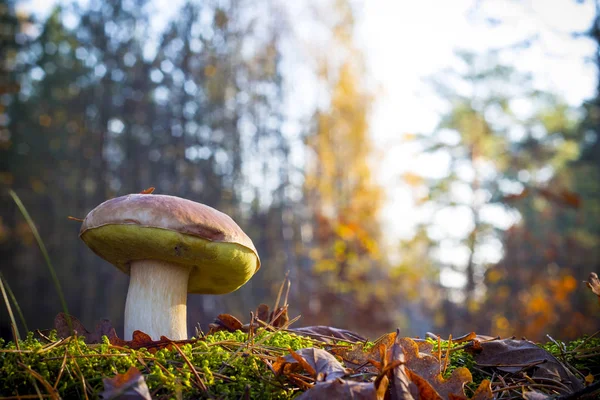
221	257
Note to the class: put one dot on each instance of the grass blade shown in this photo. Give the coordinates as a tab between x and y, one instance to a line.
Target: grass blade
14	301
10	313
42	247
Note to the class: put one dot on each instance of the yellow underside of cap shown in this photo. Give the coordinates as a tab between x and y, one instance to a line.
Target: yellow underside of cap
215	267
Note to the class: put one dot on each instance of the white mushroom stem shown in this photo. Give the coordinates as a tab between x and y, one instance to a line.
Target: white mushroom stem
156	300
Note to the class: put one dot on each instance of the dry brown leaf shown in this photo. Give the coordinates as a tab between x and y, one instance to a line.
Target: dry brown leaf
141	339
428	367
303	363
279	317
329	334
510	355
424	387
340	389
465	338
357	357
104	327
381	387
402	387
225	322
128	386
61	324
283	367
320	363
484	391
262	312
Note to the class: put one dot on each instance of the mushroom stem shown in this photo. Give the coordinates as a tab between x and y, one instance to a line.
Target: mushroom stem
156	300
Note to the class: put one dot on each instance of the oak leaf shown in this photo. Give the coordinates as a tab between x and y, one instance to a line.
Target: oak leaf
142	340
104	327
427	367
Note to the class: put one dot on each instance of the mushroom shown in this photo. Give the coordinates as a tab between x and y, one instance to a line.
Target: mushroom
170	247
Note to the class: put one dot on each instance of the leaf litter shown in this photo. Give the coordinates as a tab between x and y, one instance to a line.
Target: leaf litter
337	363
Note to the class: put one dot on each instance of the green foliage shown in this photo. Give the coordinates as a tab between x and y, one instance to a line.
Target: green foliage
227	363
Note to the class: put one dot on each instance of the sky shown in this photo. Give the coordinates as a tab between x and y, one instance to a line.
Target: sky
405	43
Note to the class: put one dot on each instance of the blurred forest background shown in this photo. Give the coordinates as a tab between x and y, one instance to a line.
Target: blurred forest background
94	104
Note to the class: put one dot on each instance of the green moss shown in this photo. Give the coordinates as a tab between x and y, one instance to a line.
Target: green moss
227	363
583	354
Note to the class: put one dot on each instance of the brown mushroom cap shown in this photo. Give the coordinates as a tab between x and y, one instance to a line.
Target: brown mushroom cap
221	257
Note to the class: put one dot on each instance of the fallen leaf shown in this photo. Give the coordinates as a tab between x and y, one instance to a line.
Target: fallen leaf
329	334
424	387
381	387
402	387
304	364
128	386
262	312
510	355
225	322
340	389
279	317
484	391
104	327
428	367
356	356
142	340
318	363
465	338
